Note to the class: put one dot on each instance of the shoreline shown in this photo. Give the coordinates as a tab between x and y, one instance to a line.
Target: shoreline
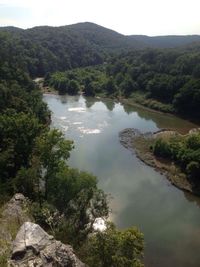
118	99
139	144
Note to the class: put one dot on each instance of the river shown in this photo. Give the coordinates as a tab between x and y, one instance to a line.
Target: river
140	196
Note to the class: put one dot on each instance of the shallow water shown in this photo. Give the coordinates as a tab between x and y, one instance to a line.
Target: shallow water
169	218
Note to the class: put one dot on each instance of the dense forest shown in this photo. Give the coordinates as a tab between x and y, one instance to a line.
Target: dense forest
93	60
160	79
48	49
34	161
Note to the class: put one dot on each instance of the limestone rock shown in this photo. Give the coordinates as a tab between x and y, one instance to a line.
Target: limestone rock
15	208
34	247
13	215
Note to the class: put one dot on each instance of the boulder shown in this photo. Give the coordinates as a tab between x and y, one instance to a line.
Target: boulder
13	214
15	208
34	247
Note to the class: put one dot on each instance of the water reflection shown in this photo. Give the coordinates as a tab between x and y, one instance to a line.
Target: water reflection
110	104
90	101
192	198
161	120
168	217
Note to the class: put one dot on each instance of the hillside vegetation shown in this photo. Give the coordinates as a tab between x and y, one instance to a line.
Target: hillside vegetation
167	80
34	158
184	151
47	49
97	61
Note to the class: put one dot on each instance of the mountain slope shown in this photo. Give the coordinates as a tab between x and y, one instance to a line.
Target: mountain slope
170	41
44	49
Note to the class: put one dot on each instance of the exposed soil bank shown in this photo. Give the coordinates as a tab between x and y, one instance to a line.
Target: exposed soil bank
141	144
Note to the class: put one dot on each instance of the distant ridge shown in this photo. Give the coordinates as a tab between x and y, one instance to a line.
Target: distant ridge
45	49
107	38
168	41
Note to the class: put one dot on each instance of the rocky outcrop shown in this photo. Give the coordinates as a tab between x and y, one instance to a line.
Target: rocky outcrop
16	208
13	215
126	137
34	247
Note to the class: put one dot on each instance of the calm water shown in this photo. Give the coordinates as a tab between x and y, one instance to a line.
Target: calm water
169	218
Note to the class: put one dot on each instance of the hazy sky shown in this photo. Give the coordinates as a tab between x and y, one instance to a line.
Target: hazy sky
150	17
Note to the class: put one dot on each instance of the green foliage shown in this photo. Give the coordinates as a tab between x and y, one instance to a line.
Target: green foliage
90	80
27	182
18	132
69	182
185	151
188	98
73	87
166	78
112	247
89	204
193	169
33	158
47	49
193	141
51	151
162	148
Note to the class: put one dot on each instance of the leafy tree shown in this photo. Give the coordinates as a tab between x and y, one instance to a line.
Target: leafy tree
162	148
185	151
112	247
73	87
193	170
188	98
110	87
18	132
52	150
89	89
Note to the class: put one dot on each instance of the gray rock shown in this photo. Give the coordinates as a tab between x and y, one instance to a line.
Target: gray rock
34	247
15	207
13	214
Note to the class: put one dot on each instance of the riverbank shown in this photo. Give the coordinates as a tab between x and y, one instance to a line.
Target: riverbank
45	89
137	99
141	145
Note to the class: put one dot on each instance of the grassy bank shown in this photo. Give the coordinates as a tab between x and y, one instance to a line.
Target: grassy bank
141	99
173	173
143	144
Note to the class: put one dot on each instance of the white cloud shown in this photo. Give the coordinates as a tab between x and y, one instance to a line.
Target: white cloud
152	17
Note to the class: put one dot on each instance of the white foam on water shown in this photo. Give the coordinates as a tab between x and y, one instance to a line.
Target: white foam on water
77	123
63	118
89	131
79	109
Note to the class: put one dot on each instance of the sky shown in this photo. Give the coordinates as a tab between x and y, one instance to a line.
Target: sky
147	17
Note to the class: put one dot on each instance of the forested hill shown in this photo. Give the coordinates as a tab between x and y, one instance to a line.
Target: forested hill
47	49
169	41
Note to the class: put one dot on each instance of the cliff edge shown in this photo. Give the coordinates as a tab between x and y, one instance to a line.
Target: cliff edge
34	247
25	244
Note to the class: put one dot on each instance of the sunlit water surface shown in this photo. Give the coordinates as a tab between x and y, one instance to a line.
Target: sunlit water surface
168	217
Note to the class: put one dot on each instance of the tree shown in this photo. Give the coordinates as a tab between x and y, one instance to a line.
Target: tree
193	170
110	87
188	98
89	89
18	132
118	248
52	150
73	87
162	148
89	204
